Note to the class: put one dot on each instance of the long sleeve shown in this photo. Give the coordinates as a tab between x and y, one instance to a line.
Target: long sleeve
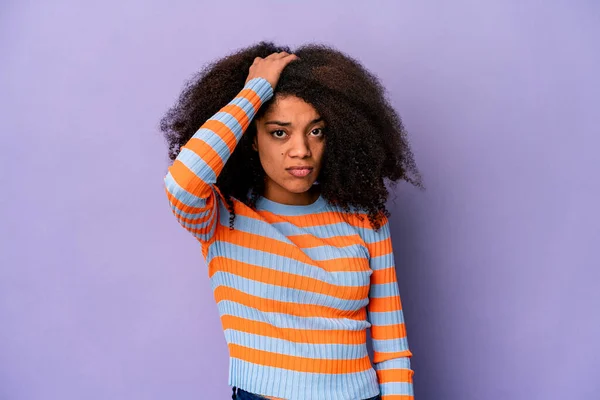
384	312
190	182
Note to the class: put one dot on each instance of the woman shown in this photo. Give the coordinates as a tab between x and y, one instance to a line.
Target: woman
283	186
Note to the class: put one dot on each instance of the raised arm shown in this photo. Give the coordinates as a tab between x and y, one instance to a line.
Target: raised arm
384	312
190	182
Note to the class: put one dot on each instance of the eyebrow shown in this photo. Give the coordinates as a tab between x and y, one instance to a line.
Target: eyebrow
314	121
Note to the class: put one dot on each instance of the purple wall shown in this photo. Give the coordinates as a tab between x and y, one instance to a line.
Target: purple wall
103	295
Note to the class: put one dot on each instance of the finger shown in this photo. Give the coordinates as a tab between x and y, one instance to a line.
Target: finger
288	59
281	54
274	56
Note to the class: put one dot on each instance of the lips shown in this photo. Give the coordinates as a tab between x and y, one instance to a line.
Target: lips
300	171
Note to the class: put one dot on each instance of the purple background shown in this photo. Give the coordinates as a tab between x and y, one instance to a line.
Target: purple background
104	296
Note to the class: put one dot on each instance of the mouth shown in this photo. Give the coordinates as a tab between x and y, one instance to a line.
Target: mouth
299	172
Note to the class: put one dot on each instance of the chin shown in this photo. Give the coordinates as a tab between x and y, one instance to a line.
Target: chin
299	189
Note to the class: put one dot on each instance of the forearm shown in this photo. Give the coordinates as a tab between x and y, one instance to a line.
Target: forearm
202	158
190	181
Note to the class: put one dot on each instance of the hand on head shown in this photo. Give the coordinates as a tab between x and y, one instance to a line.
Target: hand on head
270	67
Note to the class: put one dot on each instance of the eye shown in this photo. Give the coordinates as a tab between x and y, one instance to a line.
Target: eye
278	133
320	131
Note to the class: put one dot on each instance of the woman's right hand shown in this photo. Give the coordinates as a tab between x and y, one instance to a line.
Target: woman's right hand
270	67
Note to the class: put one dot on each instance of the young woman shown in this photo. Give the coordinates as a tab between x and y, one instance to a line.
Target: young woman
279	168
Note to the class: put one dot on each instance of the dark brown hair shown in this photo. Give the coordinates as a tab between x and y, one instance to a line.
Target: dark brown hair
365	139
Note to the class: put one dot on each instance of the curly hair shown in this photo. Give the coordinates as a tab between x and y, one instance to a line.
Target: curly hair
365	138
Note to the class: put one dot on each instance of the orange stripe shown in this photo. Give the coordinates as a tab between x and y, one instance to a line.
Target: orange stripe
238	113
325	218
189	209
384	332
258	242
307	241
380	357
207	153
303	221
200	231
384	304
293	334
189	180
205	217
395	375
380	248
287	280
397	397
382	276
302	364
269	305
175	202
252	97
223	131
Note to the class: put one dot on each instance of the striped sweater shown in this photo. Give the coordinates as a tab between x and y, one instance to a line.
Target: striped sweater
296	286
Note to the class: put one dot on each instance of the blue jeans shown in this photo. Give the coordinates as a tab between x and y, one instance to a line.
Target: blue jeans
240	394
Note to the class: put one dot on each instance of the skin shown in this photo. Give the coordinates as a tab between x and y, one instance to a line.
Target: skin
290	133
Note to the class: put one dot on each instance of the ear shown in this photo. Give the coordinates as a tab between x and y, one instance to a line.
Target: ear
255	144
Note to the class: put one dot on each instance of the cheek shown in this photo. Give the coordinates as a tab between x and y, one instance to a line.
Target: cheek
318	151
270	157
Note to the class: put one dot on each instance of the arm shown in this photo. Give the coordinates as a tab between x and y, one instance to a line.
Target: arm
384	312
190	182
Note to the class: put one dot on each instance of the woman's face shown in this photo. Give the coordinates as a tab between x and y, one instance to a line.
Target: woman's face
289	135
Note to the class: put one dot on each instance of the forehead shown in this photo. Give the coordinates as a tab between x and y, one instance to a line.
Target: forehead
291	108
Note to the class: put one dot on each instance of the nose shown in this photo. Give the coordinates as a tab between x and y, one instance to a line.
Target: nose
300	147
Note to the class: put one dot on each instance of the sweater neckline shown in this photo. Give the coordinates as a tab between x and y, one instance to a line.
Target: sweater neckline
262	203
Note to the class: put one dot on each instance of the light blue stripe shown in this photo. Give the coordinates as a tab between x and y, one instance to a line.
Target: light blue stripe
329	253
384	290
287	265
326	230
202	214
189	226
245	105
190	200
382	262
297	385
193	216
282	320
230	121
214	141
321	253
370	236
400	388
280	346
390	345
261	87
212	230
280	293
255	227
394	363
181	194
386	318
197	165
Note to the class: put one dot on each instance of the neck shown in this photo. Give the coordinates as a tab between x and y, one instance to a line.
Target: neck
297	199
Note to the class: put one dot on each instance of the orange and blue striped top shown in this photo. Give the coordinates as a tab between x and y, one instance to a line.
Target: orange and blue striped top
296	286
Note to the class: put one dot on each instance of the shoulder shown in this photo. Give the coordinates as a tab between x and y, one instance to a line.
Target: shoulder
358	219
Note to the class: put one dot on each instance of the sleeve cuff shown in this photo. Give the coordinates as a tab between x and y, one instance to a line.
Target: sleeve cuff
261	87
